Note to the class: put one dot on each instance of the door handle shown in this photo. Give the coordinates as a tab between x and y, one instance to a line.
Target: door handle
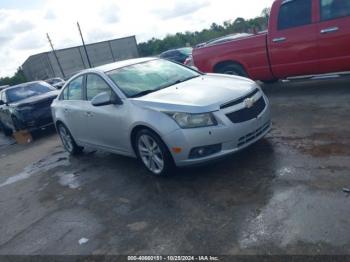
65	110
279	39
329	30
89	114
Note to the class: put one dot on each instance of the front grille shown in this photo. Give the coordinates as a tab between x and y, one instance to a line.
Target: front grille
246	114
251	136
239	100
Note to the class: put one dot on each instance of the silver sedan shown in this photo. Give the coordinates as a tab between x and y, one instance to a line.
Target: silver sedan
161	112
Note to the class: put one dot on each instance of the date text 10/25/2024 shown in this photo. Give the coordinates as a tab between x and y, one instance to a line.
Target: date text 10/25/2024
173	258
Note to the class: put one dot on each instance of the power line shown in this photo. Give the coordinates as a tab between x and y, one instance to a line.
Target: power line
54	52
82	39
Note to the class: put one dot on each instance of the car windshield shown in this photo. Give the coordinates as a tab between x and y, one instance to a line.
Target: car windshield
141	79
21	92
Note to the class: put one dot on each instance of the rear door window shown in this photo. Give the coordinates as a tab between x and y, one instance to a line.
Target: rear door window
294	13
332	9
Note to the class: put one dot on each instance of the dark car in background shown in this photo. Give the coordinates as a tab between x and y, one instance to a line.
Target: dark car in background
26	106
178	55
3	87
56	82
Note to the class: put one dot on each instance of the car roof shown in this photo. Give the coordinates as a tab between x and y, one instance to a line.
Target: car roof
120	64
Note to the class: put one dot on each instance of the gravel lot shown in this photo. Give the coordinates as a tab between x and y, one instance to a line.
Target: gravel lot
281	196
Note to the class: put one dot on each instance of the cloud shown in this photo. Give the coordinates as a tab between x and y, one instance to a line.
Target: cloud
181	9
110	14
29	41
23	26
50	15
97	35
4	39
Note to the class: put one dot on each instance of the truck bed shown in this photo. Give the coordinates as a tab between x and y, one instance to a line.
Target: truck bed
250	52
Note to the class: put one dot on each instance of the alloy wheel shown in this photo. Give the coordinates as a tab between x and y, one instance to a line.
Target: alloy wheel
66	139
151	154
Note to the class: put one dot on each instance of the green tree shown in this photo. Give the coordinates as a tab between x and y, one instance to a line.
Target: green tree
239	25
16	79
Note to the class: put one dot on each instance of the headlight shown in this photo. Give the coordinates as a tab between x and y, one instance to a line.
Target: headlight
187	120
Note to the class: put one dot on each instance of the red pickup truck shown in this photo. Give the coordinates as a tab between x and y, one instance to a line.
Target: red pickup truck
305	37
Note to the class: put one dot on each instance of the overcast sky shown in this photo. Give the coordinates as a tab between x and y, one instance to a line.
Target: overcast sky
24	24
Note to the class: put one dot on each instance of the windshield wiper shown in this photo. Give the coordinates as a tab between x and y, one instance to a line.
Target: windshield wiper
178	82
143	93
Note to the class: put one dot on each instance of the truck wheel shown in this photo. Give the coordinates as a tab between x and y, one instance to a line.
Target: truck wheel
232	69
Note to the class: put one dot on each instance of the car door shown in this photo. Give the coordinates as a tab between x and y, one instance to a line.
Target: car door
72	105
334	35
292	39
105	123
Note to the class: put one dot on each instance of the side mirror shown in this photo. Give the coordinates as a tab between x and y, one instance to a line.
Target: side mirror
2	103
104	99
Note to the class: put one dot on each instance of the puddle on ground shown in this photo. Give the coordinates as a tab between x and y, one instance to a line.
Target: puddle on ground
299	214
69	179
43	165
331	149
16	178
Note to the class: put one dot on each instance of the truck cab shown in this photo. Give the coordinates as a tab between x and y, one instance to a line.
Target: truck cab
308	37
304	37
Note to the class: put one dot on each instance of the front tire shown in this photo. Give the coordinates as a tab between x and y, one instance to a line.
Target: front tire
153	153
68	141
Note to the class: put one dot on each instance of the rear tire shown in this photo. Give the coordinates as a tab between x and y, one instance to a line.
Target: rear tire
68	141
153	153
231	69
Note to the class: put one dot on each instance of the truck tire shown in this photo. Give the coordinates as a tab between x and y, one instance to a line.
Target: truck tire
231	69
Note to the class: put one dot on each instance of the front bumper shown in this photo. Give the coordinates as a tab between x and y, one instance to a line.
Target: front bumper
34	122
232	137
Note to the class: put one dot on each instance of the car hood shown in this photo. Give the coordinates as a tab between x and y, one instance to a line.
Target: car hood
204	93
36	99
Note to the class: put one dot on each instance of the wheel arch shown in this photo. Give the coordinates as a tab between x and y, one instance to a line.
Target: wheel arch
229	62
134	132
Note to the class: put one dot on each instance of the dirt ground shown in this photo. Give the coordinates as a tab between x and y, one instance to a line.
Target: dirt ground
283	195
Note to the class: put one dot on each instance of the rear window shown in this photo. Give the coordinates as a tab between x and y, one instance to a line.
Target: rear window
294	13
331	9
22	92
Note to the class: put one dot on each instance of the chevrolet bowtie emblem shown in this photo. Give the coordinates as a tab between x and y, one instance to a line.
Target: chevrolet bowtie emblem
249	102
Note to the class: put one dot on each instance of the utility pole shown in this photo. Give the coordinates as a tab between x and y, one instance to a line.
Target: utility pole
54	52
82	39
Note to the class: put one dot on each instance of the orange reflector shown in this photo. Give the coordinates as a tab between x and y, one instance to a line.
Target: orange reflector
177	150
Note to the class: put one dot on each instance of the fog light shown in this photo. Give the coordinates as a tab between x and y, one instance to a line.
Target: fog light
204	151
